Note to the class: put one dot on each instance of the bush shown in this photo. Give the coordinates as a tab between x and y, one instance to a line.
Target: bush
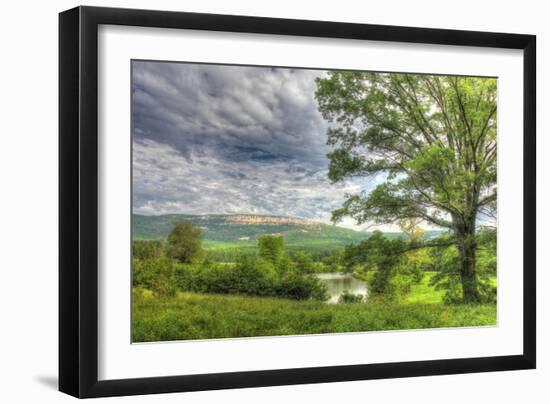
334	262
156	274
304	262
348	297
147	249
301	287
250	276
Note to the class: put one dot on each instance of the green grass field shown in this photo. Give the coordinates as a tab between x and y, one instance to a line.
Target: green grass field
424	293
200	316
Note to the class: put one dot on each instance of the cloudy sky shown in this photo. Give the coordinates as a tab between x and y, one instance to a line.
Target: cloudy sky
230	139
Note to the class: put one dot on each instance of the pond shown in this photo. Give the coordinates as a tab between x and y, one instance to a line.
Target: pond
337	283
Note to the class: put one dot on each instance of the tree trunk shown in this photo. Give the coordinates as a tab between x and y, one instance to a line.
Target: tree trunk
467	252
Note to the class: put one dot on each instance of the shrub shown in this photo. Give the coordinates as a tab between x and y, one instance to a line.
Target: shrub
334	262
249	276
301	287
304	262
156	274
348	297
147	249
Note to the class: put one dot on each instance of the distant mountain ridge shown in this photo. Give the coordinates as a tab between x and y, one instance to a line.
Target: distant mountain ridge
245	229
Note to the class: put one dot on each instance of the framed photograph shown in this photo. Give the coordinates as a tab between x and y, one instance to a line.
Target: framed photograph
251	201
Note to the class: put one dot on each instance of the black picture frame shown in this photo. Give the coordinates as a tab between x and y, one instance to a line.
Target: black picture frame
78	201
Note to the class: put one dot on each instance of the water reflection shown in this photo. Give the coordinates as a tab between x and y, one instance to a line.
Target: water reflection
337	283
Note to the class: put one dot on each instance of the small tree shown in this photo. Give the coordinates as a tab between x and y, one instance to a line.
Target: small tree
382	258
185	243
411	227
335	261
304	262
271	248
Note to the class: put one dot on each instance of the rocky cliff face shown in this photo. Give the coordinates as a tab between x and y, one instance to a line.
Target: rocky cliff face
259	219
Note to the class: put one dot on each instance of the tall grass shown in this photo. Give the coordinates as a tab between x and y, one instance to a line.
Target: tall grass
202	316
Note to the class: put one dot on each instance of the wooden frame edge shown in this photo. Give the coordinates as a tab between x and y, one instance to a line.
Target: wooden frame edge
78	362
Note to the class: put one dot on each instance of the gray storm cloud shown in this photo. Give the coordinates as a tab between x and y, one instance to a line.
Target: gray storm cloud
230	139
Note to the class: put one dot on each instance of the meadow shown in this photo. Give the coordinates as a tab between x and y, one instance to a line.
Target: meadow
195	316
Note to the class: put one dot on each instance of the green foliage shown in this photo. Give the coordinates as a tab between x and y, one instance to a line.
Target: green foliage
294	285
424	292
185	243
228	252
487	250
155	274
271	273
446	263
327	254
379	258
250	276
415	263
334	262
433	139
347	298
197	316
147	249
304	262
486	258
271	248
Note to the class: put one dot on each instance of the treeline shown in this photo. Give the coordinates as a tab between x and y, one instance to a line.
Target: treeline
318	253
179	264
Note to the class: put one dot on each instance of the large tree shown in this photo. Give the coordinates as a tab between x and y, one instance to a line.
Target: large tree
429	140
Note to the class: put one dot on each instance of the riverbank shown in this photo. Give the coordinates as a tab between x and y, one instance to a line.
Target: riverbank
201	316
